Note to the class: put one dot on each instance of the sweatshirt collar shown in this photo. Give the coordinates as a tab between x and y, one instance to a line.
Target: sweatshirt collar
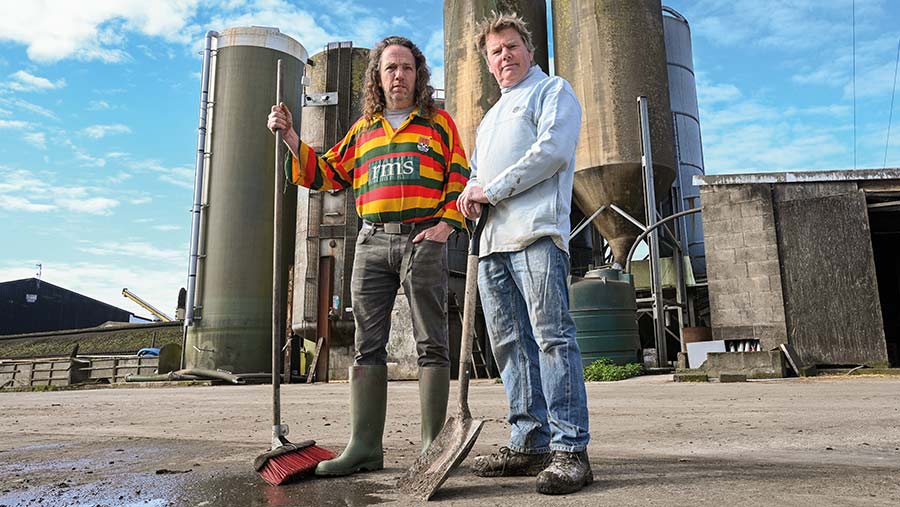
534	72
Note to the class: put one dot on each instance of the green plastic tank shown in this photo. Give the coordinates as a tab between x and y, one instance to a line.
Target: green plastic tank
604	309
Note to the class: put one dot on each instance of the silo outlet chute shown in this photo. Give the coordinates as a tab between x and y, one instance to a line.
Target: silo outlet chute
470	88
232	326
613	51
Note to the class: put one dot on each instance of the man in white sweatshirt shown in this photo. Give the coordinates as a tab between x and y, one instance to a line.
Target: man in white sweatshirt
522	166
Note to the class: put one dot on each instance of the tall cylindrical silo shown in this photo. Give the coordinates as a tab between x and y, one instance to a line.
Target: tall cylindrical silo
686	118
470	89
613	51
327	222
234	283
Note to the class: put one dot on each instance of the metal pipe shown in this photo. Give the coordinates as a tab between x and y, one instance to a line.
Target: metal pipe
634	221
644	234
586	222
650	213
198	183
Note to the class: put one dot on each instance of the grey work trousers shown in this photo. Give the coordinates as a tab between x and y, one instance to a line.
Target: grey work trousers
377	269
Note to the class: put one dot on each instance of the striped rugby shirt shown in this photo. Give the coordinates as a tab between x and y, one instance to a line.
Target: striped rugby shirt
409	175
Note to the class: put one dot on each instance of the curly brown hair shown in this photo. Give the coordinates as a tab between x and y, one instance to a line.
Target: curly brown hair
374	98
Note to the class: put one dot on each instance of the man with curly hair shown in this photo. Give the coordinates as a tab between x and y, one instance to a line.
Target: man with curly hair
523	165
406	165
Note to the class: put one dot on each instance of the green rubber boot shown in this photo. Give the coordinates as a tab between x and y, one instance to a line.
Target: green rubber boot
368	404
434	388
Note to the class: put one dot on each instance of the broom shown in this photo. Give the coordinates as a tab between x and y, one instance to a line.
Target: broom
285	460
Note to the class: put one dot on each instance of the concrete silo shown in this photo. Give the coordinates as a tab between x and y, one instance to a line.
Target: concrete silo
230	324
470	89
686	119
327	222
613	51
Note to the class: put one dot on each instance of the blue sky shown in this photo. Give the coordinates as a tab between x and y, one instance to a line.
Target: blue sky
98	112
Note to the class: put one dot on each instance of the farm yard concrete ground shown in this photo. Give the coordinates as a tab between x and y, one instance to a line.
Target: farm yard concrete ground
820	441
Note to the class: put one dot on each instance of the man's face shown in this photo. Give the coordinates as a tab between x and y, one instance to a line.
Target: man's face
508	58
398	76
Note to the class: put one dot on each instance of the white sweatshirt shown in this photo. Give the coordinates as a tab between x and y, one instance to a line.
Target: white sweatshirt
524	158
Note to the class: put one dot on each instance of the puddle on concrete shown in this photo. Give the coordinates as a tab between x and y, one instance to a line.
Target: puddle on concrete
196	490
250	490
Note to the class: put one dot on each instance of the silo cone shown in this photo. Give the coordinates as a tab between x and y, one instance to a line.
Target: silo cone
471	89
234	286
613	51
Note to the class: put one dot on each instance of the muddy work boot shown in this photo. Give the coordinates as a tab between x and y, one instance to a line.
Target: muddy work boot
568	472
368	405
509	463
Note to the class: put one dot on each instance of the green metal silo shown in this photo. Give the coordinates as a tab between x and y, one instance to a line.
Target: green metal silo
232	326
602	304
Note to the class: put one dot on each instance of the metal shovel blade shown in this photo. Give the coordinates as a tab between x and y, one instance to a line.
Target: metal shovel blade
448	450
459	433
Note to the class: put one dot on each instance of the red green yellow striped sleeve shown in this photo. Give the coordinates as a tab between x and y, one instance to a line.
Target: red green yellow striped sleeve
457	170
331	171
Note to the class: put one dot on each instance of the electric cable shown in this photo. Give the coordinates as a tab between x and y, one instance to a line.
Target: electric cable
887	141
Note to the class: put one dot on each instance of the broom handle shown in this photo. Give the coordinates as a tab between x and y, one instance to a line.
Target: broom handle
468	322
277	255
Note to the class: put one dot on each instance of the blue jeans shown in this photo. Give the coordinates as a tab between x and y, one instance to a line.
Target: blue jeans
526	308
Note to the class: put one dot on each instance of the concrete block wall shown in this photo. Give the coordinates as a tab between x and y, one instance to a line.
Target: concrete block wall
745	291
401	348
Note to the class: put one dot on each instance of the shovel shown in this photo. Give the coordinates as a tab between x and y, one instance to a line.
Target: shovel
459	433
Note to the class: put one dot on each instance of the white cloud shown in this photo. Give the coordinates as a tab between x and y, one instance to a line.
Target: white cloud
78	200
14	124
28	106
22	190
295	22
743	133
709	94
137	249
101	131
25	82
119	177
81	156
36	139
434	54
793	26
157	282
94	30
98	105
18	203
835	110
167	228
179	176
141	200
400	21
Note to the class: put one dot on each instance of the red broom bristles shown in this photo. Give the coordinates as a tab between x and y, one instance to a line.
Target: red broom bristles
285	467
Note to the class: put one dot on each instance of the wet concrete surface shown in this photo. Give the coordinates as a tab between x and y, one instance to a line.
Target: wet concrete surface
803	442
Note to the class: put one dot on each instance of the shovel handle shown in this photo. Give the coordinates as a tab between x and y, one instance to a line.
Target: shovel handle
468	321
